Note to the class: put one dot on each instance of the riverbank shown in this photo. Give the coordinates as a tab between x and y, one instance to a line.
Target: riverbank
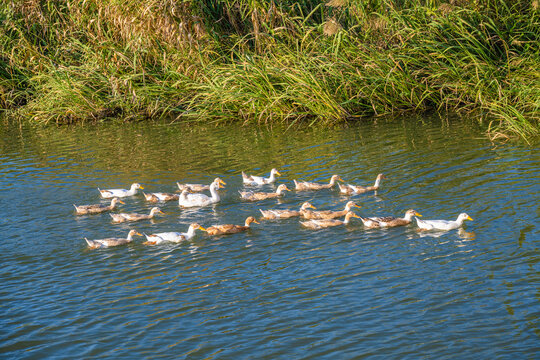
239	60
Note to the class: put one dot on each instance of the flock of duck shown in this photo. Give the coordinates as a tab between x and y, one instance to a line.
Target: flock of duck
192	196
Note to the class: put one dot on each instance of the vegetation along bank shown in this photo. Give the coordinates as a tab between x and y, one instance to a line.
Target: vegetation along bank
305	61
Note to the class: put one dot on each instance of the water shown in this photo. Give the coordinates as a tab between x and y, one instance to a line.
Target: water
278	291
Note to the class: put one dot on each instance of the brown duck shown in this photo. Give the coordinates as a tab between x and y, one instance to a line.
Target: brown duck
230	228
348	189
389	221
96	208
329	214
324	223
255	196
284	214
305	185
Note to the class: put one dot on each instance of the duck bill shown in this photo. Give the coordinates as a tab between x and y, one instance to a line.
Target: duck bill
277	173
417	214
201	228
121	202
222	182
469	218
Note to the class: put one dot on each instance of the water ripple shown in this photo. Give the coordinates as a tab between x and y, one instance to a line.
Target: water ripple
278	290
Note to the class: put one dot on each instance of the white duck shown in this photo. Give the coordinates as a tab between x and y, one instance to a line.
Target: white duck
176	237
109	242
190	200
349	189
110	193
259	180
442	224
123	217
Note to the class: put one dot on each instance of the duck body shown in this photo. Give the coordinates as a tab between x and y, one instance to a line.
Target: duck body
348	189
110	193
123	217
96	208
306	185
194	188
329	214
443	224
230	228
160	196
256	196
285	214
259	180
389	221
187	199
324	223
172	236
110	242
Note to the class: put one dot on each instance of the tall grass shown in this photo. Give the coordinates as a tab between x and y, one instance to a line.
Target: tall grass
266	61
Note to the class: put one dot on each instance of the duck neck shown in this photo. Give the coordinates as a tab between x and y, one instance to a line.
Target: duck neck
377	182
191	232
215	195
408	217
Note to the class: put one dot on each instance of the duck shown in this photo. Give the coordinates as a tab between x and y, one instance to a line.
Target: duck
389	221
230	228
259	180
96	208
187	199
172	236
349	189
110	242
285	214
122	217
160	196
443	224
194	188
110	193
255	196
324	223
329	214
305	185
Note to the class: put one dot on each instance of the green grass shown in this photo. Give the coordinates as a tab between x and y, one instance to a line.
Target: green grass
263	61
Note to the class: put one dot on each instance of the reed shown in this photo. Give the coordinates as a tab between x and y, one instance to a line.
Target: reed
266	61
